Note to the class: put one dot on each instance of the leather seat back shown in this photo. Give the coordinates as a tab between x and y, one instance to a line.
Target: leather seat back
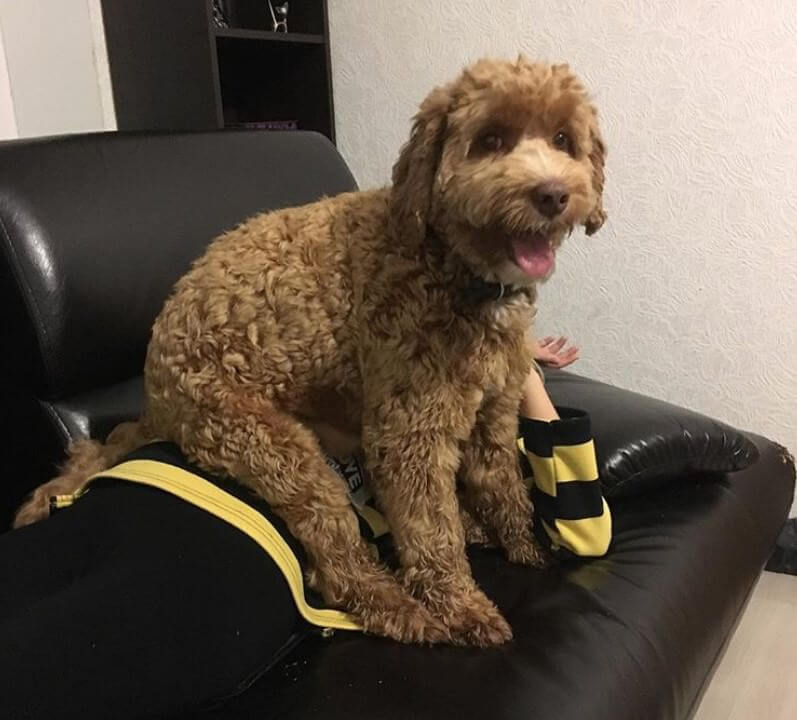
94	231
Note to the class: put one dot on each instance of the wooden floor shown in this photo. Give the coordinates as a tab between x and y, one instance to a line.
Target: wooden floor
757	677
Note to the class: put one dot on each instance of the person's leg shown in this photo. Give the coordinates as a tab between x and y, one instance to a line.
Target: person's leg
133	603
280	459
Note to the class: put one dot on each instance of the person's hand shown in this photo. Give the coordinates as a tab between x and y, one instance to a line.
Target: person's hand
555	352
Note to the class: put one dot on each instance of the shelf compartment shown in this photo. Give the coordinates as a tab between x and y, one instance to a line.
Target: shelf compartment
261	81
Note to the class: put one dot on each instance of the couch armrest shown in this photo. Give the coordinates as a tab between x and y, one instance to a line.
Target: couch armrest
642	442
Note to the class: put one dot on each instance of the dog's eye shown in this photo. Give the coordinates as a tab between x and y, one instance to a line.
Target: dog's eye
562	141
491	142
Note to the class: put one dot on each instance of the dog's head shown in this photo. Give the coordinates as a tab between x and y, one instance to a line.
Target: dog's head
502	164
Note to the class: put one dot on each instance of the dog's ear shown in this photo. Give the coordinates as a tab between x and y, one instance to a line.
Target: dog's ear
597	158
415	170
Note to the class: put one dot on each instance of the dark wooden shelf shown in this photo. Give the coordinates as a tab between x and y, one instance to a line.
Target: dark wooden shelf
172	68
245	34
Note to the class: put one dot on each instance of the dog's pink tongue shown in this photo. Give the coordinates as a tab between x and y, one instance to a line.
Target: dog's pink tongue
533	255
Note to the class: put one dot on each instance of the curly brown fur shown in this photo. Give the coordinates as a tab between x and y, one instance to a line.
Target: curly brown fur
351	317
86	457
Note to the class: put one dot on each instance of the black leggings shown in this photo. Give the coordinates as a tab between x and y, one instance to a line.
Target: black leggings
133	604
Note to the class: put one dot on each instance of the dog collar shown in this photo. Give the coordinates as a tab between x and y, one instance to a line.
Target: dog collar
479	290
483	291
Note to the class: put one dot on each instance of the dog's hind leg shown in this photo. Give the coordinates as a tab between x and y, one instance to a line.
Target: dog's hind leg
86	457
280	459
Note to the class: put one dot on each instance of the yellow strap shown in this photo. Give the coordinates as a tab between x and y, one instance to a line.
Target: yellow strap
198	491
375	520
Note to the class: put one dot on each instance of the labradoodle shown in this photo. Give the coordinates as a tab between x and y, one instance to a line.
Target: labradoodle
395	319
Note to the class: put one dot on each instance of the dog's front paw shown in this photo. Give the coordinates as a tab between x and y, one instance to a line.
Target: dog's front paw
478	622
380	603
468	614
529	551
410	623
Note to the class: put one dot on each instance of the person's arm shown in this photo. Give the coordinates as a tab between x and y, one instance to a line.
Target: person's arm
570	514
535	402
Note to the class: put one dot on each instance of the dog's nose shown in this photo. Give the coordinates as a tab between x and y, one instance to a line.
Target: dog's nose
550	198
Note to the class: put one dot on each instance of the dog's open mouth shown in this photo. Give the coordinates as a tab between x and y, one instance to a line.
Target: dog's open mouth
533	253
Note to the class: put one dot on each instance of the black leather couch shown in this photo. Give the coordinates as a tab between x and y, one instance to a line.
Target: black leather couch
93	232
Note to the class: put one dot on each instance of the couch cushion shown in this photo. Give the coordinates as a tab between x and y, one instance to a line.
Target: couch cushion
632	635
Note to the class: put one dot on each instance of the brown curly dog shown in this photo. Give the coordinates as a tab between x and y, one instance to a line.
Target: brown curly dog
396	318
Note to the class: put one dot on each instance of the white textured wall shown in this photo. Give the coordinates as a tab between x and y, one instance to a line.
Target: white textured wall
689	293
57	66
8	121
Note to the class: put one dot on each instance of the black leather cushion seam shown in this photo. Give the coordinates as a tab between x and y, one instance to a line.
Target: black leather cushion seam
29	298
59	423
96	413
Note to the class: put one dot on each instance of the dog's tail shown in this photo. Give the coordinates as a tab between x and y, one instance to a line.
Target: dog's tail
86	457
